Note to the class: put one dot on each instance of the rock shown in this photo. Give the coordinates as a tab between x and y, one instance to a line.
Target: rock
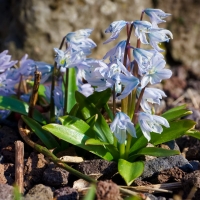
33	170
55	176
102	168
6	192
39	192
66	193
169	175
107	190
3	179
158	164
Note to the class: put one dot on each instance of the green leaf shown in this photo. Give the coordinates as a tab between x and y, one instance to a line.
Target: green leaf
71	89
77	137
47	138
90	193
87	110
99	99
154	151
15	105
78	124
93	141
176	130
74	110
92	120
177	112
130	171
138	143
193	133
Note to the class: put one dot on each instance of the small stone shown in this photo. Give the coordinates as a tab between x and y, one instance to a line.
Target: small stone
107	190
6	192
66	193
39	192
158	164
55	176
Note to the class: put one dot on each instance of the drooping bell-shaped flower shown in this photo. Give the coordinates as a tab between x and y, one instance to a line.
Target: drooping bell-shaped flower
79	40
158	36
117	52
156	16
141	28
156	72
151	123
143	58
121	126
115	28
5	62
151	95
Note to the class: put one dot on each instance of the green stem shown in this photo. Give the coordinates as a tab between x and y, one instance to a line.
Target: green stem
122	150
132	106
128	145
114	101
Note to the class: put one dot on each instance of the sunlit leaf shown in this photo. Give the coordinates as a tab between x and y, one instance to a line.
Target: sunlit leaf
78	138
15	105
130	171
154	151
47	138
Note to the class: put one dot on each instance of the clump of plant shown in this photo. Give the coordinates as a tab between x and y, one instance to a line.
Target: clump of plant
77	100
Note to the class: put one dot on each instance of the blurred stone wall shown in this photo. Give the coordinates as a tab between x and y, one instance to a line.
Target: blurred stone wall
35	27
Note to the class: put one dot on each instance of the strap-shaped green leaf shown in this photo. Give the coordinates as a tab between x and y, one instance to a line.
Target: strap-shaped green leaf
47	138
77	137
15	105
177	112
87	110
176	130
154	151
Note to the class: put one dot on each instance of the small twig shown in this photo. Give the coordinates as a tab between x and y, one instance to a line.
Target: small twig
19	165
34	94
165	187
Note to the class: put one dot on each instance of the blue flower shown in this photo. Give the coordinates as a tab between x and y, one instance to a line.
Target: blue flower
157	36
151	95
122	125
156	72
7	84
5	62
117	52
143	58
79	40
141	28
115	28
151	123
156	15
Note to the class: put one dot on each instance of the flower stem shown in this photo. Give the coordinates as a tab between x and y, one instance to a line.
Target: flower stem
122	150
128	144
124	102
66	90
52	103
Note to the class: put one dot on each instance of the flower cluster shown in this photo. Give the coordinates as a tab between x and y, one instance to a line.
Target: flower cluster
116	70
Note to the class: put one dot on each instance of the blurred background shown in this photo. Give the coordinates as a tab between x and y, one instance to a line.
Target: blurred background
35	27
